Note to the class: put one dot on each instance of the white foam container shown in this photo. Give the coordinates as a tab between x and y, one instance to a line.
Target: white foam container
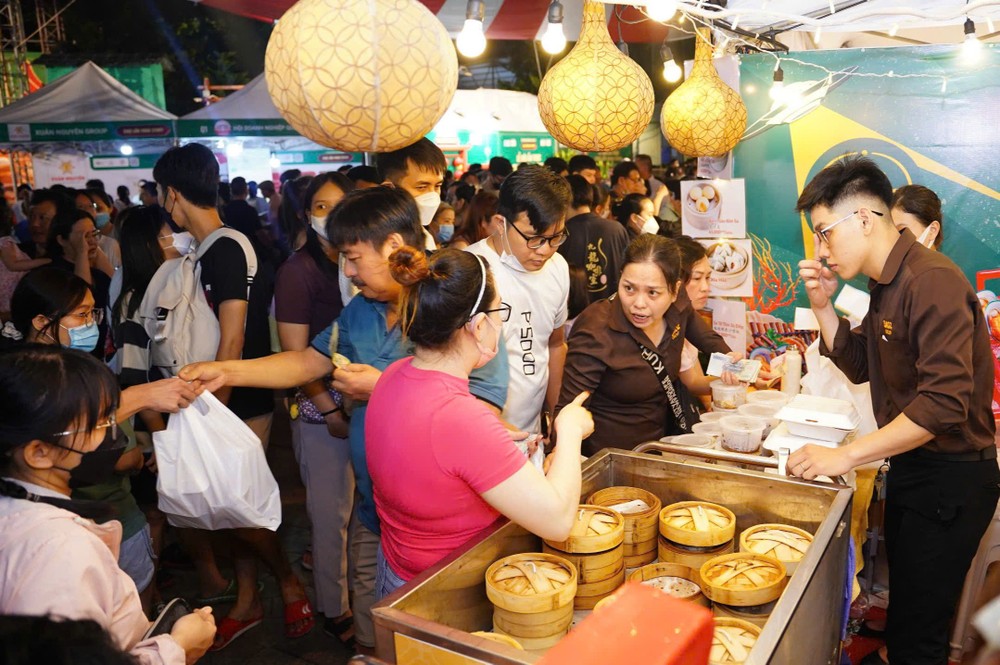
820	417
780	438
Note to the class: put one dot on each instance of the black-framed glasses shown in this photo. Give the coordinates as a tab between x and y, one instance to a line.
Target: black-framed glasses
503	309
536	242
824	233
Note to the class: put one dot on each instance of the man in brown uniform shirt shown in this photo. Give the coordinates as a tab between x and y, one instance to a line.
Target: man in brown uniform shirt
925	349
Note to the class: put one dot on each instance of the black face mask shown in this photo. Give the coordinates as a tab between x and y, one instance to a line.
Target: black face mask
97	466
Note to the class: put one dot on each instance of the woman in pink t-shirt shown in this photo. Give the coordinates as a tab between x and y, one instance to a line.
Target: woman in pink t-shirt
443	466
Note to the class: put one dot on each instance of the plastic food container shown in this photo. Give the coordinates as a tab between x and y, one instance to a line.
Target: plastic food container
709	429
741	434
769	397
820	417
762	411
696	440
714	416
728	397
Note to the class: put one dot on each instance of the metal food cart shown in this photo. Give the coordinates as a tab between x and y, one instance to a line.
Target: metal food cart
430	619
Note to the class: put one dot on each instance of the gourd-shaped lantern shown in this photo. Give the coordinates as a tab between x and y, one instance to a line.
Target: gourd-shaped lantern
703	117
596	98
361	76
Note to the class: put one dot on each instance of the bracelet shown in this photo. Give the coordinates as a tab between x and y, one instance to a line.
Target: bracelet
335	409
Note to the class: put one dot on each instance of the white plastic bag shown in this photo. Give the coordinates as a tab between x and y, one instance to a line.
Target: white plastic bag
825	379
212	471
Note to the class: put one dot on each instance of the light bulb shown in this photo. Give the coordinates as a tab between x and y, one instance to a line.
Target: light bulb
971	47
234	149
126	149
672	71
471	42
554	40
275	162
661	10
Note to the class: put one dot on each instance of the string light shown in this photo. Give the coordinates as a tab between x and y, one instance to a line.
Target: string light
972	46
471	42
554	39
661	10
671	70
125	149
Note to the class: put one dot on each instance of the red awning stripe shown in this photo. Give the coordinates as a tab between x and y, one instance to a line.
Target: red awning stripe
515	19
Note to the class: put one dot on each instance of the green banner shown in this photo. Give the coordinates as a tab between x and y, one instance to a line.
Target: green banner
223	128
922	113
85	131
290	158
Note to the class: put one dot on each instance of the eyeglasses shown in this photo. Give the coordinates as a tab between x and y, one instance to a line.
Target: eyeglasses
95	315
504	310
112	424
824	233
92	235
536	242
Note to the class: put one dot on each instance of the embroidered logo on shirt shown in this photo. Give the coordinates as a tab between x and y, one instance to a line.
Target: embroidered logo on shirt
887	327
676	332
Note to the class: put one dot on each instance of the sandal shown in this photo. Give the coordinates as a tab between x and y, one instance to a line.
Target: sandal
298	612
229	629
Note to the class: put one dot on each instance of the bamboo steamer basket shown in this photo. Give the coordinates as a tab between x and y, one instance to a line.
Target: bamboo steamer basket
588	595
693	557
657	570
697	524
787	544
743	579
531	583
640	528
732	641
498	637
542	624
596	529
534	643
591	567
755	614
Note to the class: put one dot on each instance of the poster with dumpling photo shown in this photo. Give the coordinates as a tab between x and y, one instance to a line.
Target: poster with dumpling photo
713	208
731	260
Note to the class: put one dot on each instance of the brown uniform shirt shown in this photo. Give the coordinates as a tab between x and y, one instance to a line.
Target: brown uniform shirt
925	349
627	402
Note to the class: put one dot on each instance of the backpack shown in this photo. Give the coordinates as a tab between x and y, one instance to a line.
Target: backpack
182	327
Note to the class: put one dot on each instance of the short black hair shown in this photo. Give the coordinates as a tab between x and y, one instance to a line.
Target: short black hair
692	251
31	640
661	252
622	170
371	215
579	163
364	173
290	174
557	165
23	186
501	166
95	183
846	178
193	171
56	197
583	191
238	186
149	188
424	154
537	191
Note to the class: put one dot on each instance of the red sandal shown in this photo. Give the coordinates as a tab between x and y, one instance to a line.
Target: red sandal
298	612
229	629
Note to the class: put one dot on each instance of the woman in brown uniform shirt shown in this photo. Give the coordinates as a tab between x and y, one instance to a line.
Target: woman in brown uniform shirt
652	315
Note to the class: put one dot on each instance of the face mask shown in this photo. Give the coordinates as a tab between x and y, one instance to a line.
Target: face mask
508	258
428	205
923	237
182	242
101	219
650	226
445	232
83	338
319	226
98	466
486	355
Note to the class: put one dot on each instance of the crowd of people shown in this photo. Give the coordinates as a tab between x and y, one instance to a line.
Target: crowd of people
437	347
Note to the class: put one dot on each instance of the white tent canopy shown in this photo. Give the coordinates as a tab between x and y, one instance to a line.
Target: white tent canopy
252	101
487	110
88	94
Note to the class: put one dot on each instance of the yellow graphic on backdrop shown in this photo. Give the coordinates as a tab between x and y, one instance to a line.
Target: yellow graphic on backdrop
816	133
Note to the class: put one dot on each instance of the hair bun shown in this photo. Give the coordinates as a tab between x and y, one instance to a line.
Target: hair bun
408	265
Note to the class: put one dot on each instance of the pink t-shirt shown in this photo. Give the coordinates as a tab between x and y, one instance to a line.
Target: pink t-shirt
432	449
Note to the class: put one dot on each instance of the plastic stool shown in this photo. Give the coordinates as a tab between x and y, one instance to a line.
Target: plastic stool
988	553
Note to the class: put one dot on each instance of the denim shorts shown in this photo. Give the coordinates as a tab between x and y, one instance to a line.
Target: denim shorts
386	581
136	558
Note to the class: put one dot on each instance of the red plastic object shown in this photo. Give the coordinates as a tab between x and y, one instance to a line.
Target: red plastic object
639	625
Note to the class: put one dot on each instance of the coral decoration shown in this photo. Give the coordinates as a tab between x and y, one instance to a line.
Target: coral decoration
775	282
361	76
704	117
596	99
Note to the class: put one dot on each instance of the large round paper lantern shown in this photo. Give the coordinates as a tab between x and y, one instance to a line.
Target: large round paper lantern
596	98
703	117
361	76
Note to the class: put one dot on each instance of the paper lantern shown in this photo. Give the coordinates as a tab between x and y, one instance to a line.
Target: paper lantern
361	76
703	117
596	98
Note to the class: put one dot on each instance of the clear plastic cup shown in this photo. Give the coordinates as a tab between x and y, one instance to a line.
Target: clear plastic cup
714	416
769	397
765	412
693	440
711	429
725	396
741	434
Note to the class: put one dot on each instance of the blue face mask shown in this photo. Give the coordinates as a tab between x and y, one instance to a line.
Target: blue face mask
101	219
445	232
83	338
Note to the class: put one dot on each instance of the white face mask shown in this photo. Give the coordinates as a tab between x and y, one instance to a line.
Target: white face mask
183	242
508	258
428	205
650	226
923	238
319	226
